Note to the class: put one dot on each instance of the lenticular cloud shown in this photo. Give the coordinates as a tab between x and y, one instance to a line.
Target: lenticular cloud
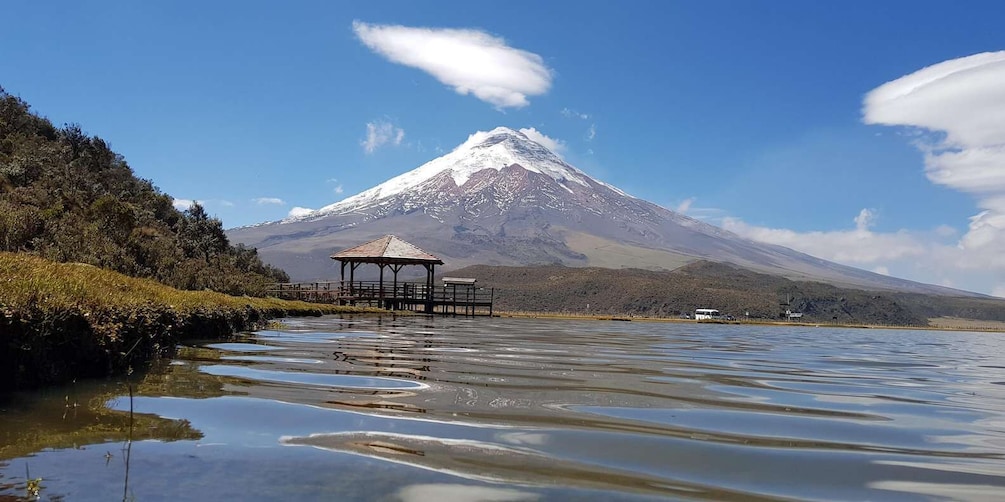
962	101
470	61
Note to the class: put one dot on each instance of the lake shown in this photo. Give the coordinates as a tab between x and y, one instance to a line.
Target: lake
498	409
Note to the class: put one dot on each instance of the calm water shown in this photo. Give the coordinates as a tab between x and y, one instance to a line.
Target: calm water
443	409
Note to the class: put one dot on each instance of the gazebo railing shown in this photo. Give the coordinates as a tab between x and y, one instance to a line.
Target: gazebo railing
446	299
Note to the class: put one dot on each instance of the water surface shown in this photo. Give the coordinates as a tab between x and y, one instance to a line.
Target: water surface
455	409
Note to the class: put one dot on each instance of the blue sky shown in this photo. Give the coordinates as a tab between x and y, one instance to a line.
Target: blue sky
748	114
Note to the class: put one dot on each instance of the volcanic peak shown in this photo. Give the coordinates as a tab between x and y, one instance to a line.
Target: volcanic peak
496	149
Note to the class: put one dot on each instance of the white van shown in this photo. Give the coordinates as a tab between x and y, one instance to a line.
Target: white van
706	314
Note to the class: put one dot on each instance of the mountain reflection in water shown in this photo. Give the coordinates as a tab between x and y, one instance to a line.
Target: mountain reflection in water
416	408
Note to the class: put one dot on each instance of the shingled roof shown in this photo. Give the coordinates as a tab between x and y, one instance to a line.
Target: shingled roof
387	249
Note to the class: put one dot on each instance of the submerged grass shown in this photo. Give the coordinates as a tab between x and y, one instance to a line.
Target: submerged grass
60	321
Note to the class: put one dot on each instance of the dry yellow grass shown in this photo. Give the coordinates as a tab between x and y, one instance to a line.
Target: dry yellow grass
60	321
29	282
959	323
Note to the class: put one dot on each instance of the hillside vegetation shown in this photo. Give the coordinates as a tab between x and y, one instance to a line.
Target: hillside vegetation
732	290
60	321
67	197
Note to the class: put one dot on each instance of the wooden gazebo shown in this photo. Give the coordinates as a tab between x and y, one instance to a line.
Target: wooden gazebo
388	252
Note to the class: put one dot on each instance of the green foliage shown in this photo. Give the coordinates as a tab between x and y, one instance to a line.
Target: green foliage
68	197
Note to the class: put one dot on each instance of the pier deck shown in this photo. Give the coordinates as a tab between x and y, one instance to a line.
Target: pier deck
448	299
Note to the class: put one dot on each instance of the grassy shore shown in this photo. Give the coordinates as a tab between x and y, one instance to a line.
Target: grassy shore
62	321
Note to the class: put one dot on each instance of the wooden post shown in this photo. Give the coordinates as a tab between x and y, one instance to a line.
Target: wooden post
429	287
394	289
380	285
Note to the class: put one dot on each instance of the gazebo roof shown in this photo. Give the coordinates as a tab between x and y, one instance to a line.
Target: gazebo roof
388	249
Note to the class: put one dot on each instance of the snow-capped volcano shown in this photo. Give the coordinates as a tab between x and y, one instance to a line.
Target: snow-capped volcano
495	149
500	198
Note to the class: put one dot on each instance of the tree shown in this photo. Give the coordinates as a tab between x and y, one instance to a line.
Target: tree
69	197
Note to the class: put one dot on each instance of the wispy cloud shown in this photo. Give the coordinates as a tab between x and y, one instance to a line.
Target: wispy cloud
263	201
569	113
555	145
573	114
956	110
298	211
338	186
685	205
380	133
182	204
468	60
865	220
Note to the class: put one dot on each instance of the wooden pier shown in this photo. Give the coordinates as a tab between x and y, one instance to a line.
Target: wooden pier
454	297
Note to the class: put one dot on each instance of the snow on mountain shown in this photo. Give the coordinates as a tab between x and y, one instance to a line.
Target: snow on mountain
495	149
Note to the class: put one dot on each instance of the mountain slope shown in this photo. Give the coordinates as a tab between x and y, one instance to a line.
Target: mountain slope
502	199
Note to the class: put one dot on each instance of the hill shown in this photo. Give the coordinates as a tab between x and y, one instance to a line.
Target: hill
68	197
731	289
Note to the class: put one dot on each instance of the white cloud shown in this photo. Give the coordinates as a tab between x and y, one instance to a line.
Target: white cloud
956	110
866	218
182	204
380	133
470	61
932	257
685	205
268	200
998	291
299	211
555	145
945	231
185	204
338	186
857	247
573	114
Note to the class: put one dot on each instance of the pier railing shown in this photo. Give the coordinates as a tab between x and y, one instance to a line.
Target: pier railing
445	299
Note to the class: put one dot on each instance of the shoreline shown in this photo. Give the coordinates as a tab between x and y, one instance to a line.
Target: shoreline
989	328
64	321
45	349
